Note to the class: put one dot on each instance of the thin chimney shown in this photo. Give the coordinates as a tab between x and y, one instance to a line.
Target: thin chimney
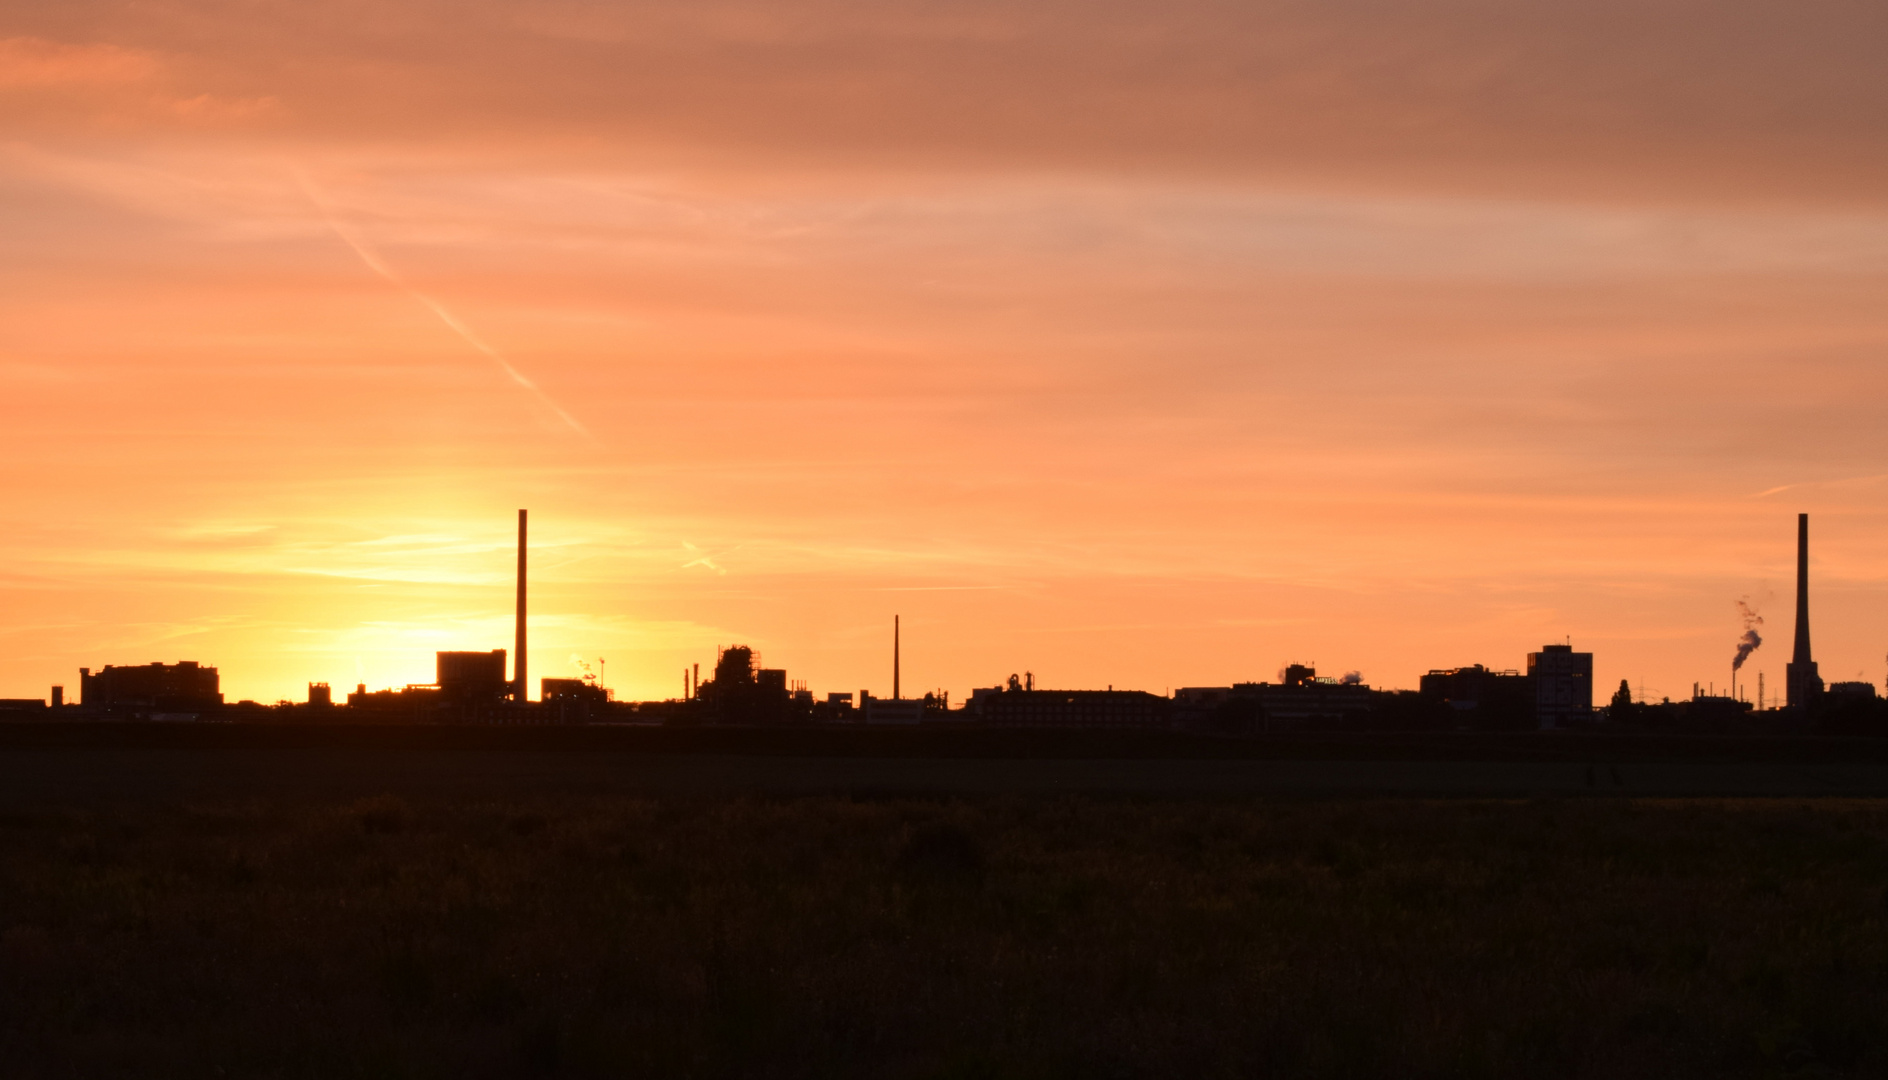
895	658
1801	682
519	687
1801	655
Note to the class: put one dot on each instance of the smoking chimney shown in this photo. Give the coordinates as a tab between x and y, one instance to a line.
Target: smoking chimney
894	658
1801	681
517	664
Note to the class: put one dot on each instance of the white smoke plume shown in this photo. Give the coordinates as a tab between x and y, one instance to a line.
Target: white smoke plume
1751	639
379	266
1352	678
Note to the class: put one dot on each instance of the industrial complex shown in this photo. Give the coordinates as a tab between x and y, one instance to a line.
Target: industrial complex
1553	692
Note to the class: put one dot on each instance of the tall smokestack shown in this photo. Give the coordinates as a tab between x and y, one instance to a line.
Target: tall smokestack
1801	680
894	658
1801	655
518	690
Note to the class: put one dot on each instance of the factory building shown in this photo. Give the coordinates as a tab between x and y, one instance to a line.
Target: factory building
1300	700
468	678
740	692
901	711
467	687
150	691
1556	691
31	708
573	701
1481	697
1014	706
1563	686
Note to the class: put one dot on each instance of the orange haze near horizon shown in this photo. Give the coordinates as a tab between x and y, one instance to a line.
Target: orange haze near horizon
1124	345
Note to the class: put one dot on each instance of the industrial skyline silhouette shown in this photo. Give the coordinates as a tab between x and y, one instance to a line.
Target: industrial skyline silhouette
1554	692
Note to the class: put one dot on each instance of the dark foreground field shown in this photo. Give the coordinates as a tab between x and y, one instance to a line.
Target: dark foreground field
1032	935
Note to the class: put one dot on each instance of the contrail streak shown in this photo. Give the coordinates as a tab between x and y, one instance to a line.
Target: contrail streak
1822	483
378	266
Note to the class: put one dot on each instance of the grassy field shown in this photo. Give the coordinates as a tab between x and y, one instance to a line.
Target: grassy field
944	741
1040	936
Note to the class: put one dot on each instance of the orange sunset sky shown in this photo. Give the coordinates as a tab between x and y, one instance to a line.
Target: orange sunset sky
1132	344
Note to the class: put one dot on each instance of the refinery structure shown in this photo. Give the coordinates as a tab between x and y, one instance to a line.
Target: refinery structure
1554	691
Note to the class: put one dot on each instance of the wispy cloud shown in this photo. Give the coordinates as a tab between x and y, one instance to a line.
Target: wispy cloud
374	262
702	559
1843	482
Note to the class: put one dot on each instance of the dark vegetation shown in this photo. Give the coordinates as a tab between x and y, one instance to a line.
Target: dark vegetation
830	936
952	741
